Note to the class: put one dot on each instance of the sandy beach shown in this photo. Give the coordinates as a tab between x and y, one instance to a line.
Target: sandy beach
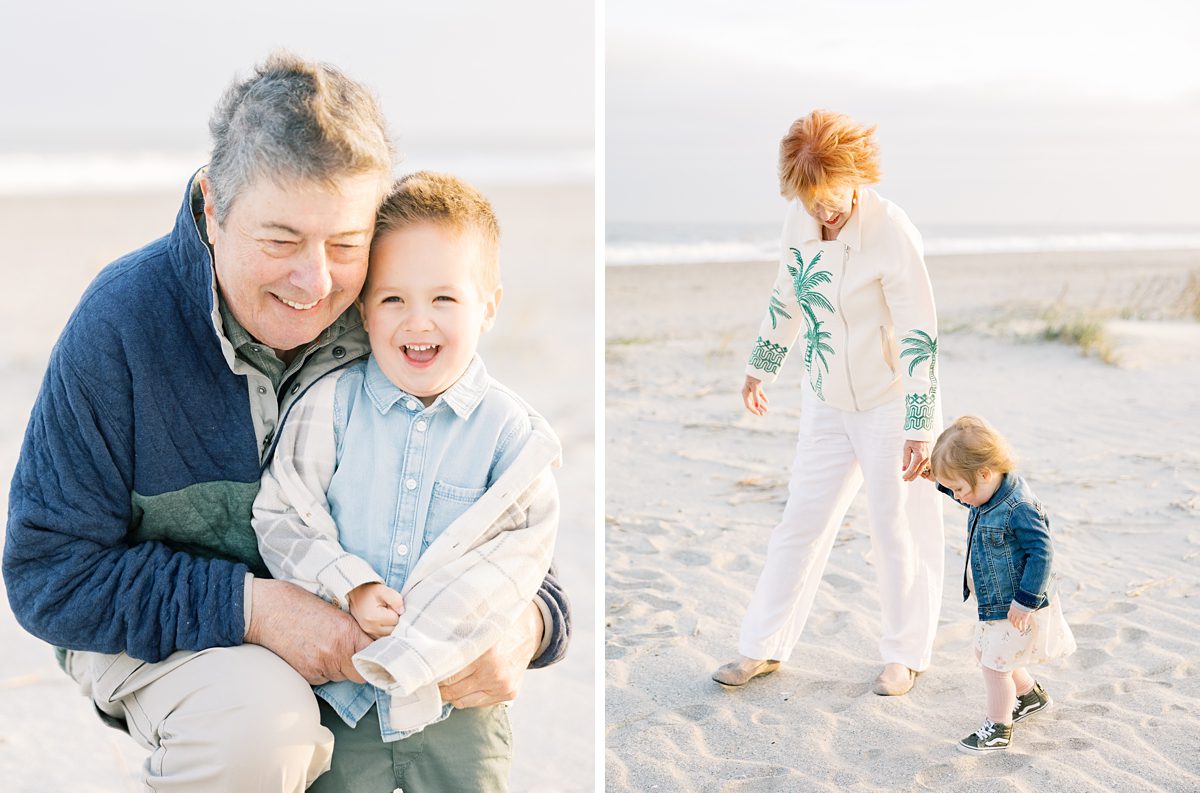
542	347
1089	363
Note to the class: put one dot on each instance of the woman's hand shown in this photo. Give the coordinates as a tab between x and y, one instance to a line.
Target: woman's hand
916	457
753	396
1019	617
377	608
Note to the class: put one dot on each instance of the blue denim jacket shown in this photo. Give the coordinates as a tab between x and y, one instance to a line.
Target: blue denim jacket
1008	550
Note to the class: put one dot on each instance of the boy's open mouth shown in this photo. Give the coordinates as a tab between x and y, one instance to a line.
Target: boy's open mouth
420	354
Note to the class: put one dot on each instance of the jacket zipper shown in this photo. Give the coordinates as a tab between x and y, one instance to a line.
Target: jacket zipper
846	325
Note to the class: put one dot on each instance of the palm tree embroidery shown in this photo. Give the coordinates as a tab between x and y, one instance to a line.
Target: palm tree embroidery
805	280
775	308
922	347
815	343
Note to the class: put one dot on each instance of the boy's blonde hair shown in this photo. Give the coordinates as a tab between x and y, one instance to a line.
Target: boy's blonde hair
824	152
447	201
967	445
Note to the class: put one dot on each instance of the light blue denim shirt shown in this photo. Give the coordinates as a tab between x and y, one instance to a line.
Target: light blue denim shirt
404	473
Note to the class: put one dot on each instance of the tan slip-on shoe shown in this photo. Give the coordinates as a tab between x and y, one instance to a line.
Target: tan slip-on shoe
743	670
894	680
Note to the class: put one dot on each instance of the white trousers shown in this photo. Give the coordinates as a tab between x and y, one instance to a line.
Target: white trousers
836	452
225	719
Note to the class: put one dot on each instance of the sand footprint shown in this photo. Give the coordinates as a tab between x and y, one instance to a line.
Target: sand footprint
1090	657
1090	630
692	558
831	623
1132	634
658	603
842	583
776	778
696	712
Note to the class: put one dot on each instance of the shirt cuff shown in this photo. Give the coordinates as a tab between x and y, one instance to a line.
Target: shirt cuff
1019	607
247	602
344	575
547	628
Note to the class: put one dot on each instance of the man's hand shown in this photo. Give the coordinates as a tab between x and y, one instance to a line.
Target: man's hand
1019	618
496	675
754	396
916	457
377	608
316	639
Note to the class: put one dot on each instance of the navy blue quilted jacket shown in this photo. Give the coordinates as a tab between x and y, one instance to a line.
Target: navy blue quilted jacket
129	513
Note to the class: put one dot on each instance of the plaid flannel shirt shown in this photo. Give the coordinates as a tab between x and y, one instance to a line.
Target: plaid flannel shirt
466	588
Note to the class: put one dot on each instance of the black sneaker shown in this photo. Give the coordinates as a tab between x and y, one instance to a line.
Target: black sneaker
1030	703
991	737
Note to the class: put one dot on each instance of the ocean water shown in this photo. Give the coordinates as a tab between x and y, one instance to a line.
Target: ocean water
655	243
84	173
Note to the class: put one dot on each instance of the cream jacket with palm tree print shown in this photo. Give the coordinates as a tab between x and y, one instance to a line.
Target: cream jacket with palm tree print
861	306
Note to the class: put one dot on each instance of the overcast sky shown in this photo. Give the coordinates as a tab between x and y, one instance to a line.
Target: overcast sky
137	74
1050	113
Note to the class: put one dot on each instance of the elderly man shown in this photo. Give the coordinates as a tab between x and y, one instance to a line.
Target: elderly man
129	539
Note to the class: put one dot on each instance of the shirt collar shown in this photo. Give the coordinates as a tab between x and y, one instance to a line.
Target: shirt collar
462	397
851	233
1002	492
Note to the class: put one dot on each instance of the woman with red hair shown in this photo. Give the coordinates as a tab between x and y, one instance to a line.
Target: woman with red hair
852	286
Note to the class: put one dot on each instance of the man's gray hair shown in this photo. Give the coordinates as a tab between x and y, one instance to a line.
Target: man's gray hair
295	119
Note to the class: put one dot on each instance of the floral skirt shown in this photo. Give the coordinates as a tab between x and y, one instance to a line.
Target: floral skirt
1002	647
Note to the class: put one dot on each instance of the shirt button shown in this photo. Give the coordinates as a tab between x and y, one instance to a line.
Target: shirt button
295	388
262	389
402	550
339	352
411	405
421	425
253	348
411	484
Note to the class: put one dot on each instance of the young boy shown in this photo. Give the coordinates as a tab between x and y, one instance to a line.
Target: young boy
411	488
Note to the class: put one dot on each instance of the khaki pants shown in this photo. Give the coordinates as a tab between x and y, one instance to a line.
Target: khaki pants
227	718
469	752
240	719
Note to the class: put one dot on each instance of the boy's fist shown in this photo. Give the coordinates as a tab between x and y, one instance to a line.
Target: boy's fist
377	608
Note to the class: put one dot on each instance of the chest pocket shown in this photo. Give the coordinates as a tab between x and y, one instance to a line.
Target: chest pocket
446	504
993	537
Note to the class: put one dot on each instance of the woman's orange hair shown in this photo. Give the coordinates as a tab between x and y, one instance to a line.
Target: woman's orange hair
824	152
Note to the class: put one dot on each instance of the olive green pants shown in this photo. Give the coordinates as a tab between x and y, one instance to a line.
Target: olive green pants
469	752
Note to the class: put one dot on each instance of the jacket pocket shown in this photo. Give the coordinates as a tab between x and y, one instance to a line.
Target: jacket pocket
446	504
887	344
993	538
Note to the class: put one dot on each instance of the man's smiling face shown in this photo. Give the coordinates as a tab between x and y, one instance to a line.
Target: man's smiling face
291	257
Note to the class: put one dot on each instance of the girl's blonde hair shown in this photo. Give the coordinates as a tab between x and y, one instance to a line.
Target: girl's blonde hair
967	445
824	152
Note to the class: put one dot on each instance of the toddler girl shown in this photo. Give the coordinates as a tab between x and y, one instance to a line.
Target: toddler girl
1008	556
